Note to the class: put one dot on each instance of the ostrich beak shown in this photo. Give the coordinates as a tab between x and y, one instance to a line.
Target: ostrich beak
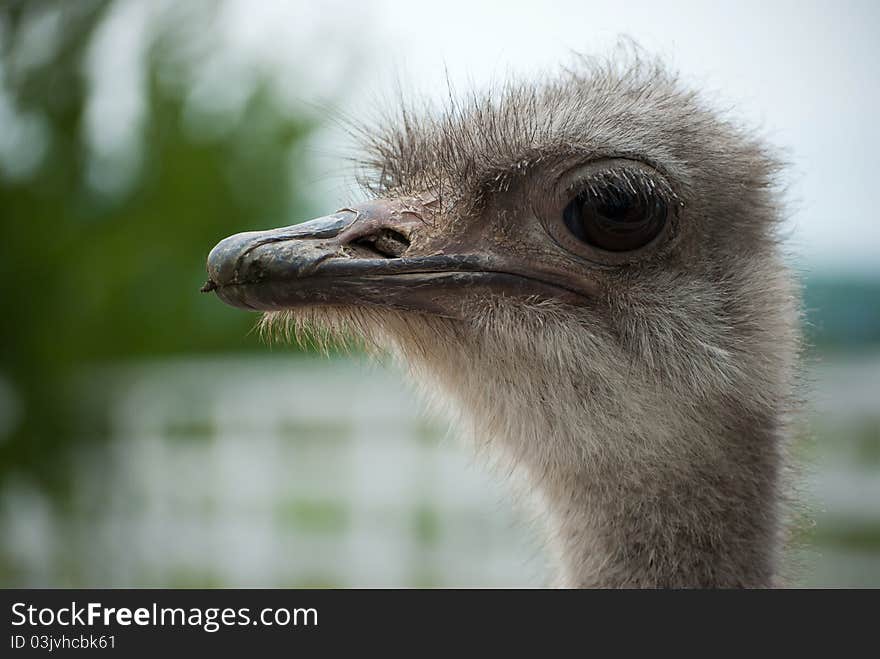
357	257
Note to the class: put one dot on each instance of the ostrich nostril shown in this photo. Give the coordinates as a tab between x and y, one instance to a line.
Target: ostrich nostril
385	243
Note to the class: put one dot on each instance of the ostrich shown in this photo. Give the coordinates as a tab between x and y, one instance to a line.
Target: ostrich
588	272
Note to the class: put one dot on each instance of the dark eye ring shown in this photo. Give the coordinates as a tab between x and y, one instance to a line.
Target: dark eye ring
616	218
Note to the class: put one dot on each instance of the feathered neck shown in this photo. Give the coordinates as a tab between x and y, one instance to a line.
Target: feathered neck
649	477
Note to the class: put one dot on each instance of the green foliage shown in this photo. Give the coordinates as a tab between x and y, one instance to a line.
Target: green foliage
90	279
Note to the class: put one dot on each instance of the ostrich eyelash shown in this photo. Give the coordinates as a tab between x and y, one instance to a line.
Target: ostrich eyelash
640	184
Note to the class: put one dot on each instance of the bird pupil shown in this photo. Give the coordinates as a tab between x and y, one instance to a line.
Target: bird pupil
615	220
616	209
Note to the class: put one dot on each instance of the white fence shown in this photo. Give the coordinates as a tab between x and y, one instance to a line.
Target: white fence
271	472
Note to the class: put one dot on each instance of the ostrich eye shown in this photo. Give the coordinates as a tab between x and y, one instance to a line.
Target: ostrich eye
616	218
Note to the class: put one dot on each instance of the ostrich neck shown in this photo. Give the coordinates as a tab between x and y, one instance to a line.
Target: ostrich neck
707	521
658	480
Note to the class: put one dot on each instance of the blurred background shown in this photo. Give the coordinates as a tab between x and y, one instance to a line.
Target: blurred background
149	438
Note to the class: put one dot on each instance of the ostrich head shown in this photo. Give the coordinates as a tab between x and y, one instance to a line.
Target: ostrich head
588	271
